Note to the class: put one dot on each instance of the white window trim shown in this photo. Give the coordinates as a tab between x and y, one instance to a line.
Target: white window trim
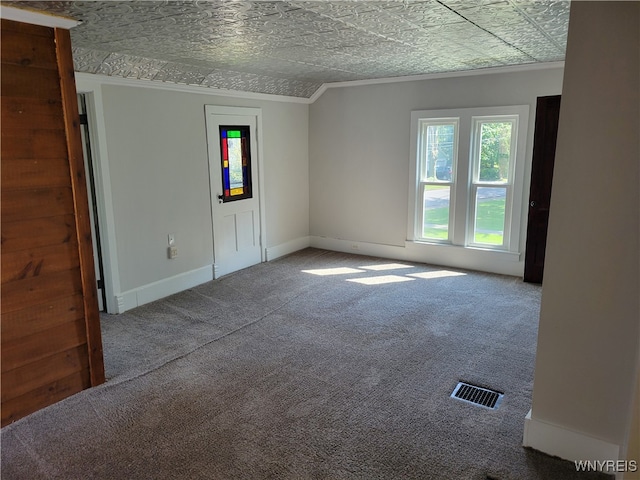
462	231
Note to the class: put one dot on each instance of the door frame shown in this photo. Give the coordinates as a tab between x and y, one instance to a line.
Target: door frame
89	167
257	176
106	220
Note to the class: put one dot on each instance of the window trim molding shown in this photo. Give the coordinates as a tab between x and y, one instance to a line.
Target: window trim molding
461	234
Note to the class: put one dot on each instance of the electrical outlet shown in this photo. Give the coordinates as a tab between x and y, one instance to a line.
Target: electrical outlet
172	252
355	246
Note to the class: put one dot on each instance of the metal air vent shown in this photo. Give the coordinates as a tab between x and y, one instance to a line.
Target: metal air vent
477	395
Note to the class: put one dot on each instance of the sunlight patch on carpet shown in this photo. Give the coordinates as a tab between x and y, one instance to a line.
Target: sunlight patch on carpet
436	274
387	266
333	271
380	280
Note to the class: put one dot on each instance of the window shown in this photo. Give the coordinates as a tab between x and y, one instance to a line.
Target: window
436	184
469	175
235	160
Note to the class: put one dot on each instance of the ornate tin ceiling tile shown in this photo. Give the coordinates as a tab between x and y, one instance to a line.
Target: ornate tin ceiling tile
88	61
261	84
179	73
292	47
129	66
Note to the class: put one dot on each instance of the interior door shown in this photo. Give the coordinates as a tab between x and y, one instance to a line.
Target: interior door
93	201
544	150
235	204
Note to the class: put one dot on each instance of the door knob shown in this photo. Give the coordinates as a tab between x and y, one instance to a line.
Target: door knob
220	198
533	203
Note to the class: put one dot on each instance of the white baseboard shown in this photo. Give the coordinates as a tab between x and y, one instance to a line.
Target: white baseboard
494	262
168	286
504	263
286	248
566	444
163	288
359	248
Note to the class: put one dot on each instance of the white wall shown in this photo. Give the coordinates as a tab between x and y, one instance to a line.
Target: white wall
155	147
588	342
359	159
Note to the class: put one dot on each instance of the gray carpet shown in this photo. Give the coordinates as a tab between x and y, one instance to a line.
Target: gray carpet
274	372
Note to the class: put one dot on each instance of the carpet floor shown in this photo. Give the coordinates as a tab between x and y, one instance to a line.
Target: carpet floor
318	365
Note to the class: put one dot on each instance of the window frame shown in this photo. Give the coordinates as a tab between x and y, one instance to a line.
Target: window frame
475	183
463	204
225	171
422	175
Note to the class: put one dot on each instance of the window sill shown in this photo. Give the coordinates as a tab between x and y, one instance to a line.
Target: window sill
506	254
473	258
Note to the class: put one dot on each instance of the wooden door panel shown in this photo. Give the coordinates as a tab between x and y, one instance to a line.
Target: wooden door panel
33	144
38	262
29	377
21	173
37	318
27	28
30	82
32	348
245	229
44	395
23	113
544	148
26	50
51	346
24	204
31	233
40	289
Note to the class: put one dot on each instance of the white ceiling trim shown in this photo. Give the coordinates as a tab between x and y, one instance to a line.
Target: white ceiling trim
435	76
37	18
92	78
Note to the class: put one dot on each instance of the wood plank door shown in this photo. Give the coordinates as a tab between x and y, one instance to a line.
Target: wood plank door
544	150
235	203
51	344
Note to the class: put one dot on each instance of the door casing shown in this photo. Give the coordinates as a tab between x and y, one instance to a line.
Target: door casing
92	92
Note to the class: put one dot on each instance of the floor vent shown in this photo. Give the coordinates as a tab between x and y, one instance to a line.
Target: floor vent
477	395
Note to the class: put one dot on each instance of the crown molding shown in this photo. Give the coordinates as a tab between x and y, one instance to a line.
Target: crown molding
201	90
435	76
176	87
37	18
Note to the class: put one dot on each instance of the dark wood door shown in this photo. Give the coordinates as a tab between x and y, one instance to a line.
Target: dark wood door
544	150
51	346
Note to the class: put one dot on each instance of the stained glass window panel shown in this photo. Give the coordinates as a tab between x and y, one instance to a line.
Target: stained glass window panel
235	158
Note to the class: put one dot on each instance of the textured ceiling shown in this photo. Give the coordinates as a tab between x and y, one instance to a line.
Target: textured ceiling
293	47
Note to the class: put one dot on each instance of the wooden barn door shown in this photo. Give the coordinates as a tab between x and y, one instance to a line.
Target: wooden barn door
51	344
